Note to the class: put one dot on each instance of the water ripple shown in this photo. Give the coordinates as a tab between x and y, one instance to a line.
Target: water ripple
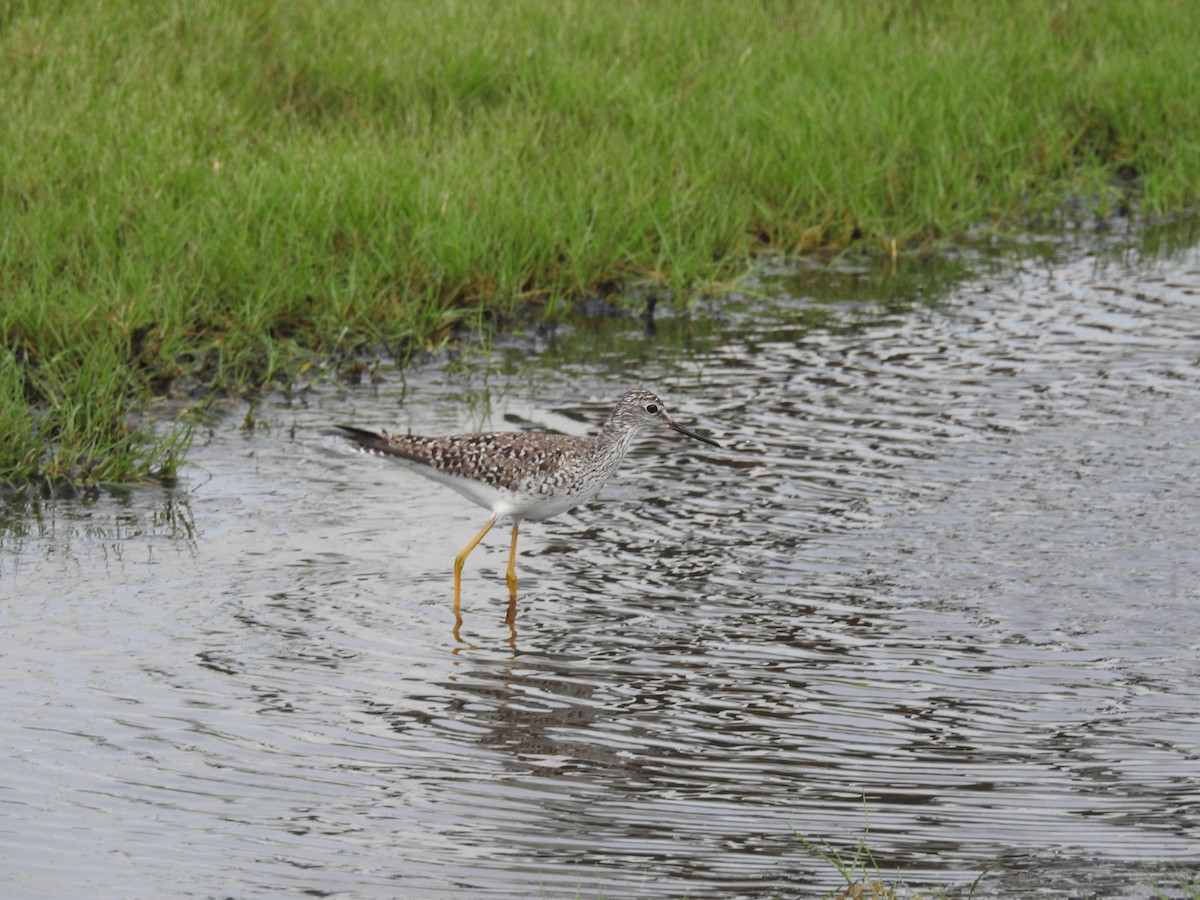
941	580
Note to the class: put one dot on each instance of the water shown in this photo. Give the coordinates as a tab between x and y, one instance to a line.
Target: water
940	585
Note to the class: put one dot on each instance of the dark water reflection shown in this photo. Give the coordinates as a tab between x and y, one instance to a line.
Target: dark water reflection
946	566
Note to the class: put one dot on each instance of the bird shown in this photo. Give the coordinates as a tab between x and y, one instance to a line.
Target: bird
523	475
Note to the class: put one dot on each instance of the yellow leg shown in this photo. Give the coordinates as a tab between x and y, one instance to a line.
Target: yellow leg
459	562
511	575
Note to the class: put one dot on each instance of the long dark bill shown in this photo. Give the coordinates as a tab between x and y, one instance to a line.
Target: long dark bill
693	434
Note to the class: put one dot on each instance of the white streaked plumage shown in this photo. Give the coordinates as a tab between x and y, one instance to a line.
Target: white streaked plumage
521	474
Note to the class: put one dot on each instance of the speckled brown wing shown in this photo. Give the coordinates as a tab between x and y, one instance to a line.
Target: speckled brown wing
504	460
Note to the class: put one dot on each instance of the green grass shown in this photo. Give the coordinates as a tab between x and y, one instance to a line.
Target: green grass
201	198
1182	886
865	879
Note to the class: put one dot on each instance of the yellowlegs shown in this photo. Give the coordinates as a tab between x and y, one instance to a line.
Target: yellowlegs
523	475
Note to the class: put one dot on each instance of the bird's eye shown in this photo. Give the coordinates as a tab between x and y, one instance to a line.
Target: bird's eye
652	409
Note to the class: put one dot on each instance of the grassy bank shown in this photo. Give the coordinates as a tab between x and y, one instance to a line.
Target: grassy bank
196	198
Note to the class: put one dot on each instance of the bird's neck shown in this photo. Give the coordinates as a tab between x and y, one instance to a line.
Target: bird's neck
613	443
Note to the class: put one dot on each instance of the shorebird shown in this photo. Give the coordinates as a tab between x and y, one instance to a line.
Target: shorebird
523	475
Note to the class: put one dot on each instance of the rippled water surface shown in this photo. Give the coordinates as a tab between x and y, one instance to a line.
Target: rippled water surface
940	582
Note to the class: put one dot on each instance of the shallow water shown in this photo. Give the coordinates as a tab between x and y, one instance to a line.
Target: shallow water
940	583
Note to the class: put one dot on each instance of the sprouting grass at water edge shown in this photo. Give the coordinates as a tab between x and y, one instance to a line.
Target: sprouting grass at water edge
866	880
199	199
